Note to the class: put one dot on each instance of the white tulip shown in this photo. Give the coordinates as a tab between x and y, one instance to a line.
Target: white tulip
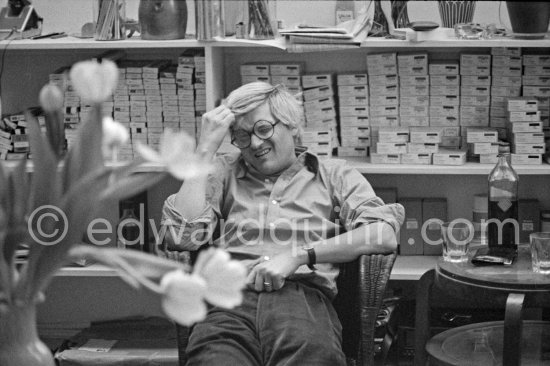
51	98
183	297
225	278
94	81
177	155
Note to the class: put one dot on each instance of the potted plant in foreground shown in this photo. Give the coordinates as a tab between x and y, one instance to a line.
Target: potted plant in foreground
74	187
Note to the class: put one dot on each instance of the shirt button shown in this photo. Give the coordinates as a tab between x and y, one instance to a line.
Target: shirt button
274	202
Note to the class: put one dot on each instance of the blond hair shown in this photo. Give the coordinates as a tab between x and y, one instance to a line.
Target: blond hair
282	104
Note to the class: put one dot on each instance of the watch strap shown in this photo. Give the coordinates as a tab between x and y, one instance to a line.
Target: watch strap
312	258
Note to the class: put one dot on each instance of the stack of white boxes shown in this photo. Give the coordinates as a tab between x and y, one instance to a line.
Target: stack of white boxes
353	103
153	121
483	143
383	98
506	82
525	129
320	133
185	73
445	101
414	89
475	87
200	87
288	75
71	103
536	83
255	72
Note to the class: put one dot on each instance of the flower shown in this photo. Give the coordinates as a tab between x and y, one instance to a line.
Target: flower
114	136
94	81
75	185
177	155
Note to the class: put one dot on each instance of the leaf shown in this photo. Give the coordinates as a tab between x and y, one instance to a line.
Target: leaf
3	187
18	194
44	183
86	154
55	131
131	185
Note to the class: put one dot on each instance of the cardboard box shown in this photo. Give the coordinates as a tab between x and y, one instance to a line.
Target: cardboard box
443	68
410	238
286	69
378	158
122	342
449	157
353	90
433	208
528	217
352	79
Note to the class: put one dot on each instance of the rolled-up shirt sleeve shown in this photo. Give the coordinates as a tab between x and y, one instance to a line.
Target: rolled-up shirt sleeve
359	204
182	234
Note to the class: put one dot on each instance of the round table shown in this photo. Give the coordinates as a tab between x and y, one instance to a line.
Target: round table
456	346
516	284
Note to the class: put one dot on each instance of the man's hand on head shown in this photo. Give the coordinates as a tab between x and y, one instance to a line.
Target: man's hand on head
215	125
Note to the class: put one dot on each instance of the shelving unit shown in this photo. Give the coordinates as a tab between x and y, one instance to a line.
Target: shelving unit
27	63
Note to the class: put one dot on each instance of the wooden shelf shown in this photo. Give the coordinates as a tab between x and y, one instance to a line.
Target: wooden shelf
89	43
93	270
365	167
373	42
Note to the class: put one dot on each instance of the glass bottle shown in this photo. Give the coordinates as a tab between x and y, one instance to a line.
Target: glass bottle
503	202
482	354
129	233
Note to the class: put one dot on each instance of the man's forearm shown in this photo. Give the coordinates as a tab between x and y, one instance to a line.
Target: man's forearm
377	237
191	198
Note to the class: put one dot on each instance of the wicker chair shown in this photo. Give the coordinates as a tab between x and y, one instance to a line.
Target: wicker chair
361	283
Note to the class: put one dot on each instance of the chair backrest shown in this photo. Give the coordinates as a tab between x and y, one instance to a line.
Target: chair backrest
361	287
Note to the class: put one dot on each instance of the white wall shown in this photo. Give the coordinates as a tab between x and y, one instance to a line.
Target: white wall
70	15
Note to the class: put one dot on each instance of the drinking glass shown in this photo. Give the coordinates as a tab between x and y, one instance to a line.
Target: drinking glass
540	252
457	236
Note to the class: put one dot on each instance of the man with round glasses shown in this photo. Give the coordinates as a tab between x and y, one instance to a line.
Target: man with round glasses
289	216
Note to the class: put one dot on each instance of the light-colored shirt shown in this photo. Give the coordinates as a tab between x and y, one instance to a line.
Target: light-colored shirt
252	215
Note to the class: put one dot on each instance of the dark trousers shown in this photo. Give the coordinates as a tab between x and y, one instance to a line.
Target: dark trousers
296	325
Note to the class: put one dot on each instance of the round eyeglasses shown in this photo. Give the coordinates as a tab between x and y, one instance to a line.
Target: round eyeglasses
262	129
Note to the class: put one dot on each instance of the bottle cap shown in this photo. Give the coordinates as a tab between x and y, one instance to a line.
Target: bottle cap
503	147
480	203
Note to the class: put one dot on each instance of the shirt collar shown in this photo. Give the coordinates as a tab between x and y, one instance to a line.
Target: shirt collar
305	158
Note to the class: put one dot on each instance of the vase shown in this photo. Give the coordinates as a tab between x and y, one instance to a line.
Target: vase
209	19
529	19
453	12
19	342
163	19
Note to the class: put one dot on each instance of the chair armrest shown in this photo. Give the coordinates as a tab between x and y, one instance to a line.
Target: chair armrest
373	276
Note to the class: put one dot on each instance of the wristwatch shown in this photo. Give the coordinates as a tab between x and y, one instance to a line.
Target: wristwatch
312	258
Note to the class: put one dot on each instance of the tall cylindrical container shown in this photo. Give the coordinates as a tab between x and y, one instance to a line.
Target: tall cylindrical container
163	19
